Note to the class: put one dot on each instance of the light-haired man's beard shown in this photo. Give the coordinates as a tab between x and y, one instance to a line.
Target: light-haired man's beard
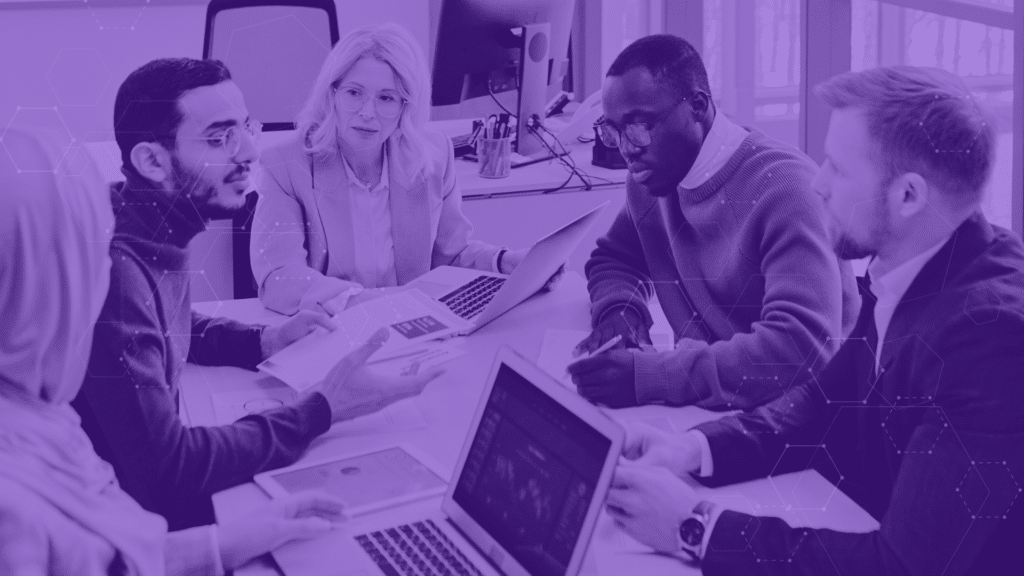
849	248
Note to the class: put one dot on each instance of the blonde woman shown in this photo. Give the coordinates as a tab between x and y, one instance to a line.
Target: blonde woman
363	197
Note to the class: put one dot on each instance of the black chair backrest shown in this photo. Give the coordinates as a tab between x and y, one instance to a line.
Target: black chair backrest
274	55
274	49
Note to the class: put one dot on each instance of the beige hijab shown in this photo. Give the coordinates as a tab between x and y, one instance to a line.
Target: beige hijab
55	228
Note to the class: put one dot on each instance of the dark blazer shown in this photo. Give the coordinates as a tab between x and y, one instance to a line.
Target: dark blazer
933	448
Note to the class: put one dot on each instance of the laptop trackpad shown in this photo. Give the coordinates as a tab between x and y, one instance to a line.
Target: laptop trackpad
432	289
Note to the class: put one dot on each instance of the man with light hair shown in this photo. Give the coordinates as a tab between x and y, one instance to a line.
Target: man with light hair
918	417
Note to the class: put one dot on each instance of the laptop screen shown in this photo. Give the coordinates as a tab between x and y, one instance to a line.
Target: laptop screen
530	474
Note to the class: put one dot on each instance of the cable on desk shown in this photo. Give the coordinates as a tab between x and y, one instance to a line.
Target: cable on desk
490	91
564	159
569	163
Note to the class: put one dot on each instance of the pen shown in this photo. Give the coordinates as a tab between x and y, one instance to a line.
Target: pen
502	128
601	349
478	125
606	346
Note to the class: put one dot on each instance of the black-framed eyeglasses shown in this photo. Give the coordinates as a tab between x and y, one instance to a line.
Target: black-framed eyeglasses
637	133
352	99
230	140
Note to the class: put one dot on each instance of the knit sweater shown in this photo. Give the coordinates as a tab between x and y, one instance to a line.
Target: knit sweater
744	270
144	335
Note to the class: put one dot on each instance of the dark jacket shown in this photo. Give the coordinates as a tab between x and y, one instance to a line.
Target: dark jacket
933	447
145	333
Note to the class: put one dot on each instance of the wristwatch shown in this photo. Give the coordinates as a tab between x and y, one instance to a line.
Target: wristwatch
692	529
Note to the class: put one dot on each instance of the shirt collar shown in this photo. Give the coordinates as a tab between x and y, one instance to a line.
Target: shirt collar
722	140
384	181
890	287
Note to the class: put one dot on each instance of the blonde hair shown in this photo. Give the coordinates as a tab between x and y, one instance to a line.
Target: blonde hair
925	120
395	46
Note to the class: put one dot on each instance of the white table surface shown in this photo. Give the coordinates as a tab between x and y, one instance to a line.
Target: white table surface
447	405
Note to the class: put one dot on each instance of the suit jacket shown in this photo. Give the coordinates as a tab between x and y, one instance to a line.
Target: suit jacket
932	446
302	246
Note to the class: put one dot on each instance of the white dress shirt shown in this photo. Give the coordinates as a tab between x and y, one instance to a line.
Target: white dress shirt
371	222
890	287
721	142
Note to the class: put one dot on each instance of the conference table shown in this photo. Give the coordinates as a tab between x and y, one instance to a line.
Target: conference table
442	415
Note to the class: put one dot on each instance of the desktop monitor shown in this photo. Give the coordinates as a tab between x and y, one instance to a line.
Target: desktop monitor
492	46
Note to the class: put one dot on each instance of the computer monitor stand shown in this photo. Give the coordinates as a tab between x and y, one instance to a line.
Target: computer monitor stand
533	85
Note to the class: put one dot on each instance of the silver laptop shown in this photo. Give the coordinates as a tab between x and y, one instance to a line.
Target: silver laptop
480	297
523	500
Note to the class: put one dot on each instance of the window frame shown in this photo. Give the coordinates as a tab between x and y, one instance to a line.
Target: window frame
825	27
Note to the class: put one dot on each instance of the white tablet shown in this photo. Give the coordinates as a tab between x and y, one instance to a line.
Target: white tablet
365	481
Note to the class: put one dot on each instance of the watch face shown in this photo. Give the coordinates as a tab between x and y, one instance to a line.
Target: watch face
691	531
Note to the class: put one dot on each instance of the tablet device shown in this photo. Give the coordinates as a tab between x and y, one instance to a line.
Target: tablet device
365	481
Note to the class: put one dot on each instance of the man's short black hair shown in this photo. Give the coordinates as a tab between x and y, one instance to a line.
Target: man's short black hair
670	60
146	107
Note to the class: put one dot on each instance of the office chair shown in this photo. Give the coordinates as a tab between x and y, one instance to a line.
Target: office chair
274	49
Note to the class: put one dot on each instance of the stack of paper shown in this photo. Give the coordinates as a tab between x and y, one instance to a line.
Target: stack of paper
412	317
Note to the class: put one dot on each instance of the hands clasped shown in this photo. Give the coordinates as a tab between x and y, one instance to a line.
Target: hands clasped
650	494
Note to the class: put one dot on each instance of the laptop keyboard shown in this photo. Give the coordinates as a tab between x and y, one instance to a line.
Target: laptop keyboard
469	301
417	549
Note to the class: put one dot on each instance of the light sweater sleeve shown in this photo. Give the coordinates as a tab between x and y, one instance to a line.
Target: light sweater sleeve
193	552
617	272
799	322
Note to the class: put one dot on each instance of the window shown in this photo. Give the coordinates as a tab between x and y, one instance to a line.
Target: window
753	61
884	33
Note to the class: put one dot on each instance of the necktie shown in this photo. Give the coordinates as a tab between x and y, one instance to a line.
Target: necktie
865	365
865	327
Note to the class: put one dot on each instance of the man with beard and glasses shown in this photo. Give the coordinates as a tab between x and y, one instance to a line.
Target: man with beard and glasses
187	147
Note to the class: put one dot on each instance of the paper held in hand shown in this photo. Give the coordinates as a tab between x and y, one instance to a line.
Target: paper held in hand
411	316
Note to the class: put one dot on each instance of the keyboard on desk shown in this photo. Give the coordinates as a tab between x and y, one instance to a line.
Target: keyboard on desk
417	549
469	300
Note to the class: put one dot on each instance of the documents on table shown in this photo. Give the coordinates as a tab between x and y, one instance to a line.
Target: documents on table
401	416
230	406
418	358
412	316
556	353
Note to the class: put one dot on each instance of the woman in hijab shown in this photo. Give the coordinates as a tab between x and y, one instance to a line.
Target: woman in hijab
61	510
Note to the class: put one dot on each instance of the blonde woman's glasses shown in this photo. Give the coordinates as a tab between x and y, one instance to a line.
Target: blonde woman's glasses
352	99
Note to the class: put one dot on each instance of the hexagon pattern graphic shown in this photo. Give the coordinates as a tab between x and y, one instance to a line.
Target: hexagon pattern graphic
78	77
35	119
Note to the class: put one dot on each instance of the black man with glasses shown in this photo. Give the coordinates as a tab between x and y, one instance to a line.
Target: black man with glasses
362	199
187	148
722	226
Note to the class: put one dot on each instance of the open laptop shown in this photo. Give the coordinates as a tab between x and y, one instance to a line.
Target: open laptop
523	500
480	297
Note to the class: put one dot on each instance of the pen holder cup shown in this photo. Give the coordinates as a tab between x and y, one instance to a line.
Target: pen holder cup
494	156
